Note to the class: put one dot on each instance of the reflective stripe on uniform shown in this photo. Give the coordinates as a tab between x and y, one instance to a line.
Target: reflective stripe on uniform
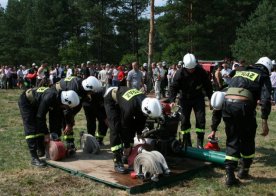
65	137
248	156
185	131
34	136
114	148
131	93
99	136
247	74
199	130
231	158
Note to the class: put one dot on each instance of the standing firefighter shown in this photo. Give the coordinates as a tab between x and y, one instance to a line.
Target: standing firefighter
127	110
34	104
238	112
89	91
191	81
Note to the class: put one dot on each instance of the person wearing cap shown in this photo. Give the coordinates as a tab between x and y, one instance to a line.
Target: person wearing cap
127	110
34	104
246	89
191	81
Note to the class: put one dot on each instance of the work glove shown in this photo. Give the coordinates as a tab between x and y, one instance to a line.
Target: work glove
265	128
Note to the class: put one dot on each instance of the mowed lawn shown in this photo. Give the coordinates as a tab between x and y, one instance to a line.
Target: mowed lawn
18	177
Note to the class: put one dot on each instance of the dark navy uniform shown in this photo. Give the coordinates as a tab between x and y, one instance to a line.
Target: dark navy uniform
125	117
240	115
93	107
34	104
192	88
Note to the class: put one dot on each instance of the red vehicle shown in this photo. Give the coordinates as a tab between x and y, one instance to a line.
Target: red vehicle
209	65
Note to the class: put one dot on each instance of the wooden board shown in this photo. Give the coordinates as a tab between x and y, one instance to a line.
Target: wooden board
100	168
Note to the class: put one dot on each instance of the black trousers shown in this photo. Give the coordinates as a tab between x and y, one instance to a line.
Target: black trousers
92	113
240	128
33	136
198	105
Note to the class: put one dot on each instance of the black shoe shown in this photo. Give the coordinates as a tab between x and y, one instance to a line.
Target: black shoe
231	180
119	168
38	163
243	173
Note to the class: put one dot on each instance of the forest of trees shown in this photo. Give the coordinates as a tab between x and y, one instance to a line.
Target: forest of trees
116	31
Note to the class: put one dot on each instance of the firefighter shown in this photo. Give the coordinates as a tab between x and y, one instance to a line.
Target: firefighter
127	110
239	115
192	82
90	92
34	104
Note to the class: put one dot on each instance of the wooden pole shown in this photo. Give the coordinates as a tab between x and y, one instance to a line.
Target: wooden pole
151	35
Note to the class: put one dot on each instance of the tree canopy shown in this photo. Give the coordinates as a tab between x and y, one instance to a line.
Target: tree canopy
116	31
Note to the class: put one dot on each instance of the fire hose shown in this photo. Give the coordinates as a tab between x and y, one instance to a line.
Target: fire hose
149	165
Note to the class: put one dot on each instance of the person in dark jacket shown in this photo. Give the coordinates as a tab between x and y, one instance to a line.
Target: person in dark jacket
127	110
246	89
34	104
192	82
90	92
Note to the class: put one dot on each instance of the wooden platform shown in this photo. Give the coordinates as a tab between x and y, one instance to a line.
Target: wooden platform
100	168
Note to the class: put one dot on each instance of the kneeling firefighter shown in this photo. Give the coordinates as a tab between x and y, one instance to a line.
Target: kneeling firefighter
86	89
239	115
34	104
127	110
192	82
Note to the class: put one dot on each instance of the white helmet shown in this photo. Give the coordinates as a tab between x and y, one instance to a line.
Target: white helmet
273	62
217	100
91	84
265	61
189	61
180	63
151	107
145	65
70	98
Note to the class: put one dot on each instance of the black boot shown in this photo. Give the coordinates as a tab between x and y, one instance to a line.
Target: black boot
187	140
243	173
118	164
35	160
231	180
40	147
200	138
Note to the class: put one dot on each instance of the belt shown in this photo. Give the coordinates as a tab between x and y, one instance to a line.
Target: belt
232	91
236	100
29	95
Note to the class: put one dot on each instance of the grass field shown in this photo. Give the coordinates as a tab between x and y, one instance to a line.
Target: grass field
18	177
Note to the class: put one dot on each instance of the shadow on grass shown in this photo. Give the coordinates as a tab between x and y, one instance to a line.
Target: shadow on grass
267	156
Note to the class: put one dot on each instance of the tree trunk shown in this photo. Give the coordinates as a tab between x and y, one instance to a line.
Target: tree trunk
151	35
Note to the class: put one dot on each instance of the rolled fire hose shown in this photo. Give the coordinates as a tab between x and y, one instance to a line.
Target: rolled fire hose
89	144
150	164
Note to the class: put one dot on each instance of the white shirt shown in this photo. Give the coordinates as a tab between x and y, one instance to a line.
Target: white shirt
69	72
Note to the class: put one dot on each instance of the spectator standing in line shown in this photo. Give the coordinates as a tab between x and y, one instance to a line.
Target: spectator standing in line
121	76
115	81
225	73
69	71
164	79
109	70
156	79
218	81
20	76
8	79
102	76
41	77
135	77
